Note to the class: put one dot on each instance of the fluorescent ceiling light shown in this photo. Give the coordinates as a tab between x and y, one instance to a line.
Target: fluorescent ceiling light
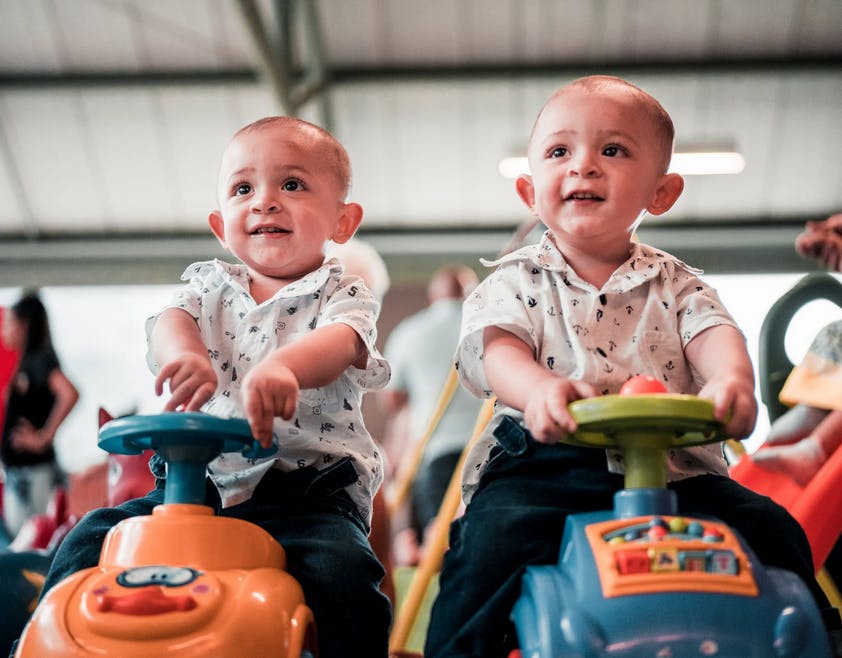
687	161
513	166
702	163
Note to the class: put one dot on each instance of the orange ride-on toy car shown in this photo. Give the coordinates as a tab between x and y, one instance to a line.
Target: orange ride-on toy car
182	581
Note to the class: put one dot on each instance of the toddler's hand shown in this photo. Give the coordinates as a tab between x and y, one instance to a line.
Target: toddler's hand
192	382
269	390
737	397
546	413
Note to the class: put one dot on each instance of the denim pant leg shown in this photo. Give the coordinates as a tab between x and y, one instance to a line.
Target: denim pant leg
773	534
329	554
81	547
515	519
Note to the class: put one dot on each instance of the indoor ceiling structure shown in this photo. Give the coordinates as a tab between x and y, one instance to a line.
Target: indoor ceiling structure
113	114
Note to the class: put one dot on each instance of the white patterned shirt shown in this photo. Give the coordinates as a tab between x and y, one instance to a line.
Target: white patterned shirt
239	333
638	323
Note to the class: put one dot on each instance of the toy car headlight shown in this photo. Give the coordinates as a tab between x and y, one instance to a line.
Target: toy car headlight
164	576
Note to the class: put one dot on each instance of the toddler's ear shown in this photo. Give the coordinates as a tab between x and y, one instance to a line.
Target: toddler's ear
217	226
526	191
350	217
667	193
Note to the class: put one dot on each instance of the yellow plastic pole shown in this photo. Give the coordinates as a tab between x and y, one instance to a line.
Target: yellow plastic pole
436	544
409	468
829	587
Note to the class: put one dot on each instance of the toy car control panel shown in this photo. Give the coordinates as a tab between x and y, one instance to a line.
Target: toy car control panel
669	553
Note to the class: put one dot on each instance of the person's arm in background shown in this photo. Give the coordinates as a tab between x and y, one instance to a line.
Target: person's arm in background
823	241
828	433
803	459
522	383
720	356
27	437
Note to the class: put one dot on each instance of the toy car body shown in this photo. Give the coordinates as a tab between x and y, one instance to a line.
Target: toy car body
181	582
642	581
667	595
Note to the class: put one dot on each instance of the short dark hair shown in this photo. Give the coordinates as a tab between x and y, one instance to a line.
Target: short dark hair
335	154
660	117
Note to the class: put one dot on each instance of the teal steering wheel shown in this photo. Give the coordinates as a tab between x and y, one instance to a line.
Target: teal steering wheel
187	441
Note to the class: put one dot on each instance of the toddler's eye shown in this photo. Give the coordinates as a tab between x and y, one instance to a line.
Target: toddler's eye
558	152
612	151
242	188
292	185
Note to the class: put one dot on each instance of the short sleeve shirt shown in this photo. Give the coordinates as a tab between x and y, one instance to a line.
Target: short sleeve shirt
239	333
638	323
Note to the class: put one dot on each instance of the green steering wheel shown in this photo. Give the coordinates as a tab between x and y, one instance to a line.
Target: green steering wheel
643	427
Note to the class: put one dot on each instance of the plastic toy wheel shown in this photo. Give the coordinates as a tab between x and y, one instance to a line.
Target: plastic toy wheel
131	435
187	441
643	427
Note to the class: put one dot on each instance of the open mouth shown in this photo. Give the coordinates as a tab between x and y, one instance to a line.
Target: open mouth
583	196
270	230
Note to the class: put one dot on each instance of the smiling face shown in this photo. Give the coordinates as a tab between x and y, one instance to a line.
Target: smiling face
598	156
282	185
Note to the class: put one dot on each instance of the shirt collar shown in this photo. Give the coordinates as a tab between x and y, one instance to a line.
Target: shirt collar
237	274
644	263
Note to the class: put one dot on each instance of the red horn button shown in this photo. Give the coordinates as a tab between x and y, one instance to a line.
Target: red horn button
146	601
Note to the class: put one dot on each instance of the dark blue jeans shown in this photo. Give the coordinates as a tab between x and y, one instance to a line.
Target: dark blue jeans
516	518
325	541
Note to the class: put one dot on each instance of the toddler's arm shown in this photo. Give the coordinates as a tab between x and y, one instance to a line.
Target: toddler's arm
271	388
177	345
520	382
719	355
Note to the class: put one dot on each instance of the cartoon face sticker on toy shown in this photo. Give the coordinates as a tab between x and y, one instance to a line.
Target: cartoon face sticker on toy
164	576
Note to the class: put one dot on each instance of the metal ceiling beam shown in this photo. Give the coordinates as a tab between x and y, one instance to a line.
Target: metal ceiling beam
492	70
298	74
273	54
10	80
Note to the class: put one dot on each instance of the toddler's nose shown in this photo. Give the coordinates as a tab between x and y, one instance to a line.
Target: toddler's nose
265	203
584	165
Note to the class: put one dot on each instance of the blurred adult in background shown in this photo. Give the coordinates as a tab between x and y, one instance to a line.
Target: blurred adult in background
39	398
420	351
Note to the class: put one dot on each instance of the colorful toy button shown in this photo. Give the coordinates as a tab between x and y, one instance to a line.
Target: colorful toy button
723	562
665	559
695	529
632	561
692	560
656	532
